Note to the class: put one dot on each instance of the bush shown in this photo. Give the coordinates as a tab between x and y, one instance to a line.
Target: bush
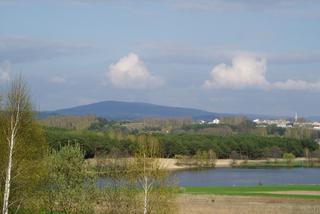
289	157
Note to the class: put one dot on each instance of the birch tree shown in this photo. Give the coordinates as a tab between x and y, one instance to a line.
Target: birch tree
137	184
17	128
157	194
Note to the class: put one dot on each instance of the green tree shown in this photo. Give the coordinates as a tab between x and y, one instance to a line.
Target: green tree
275	152
119	194
69	187
157	192
289	157
22	149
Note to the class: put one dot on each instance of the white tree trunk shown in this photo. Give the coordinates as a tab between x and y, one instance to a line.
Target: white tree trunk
145	187
5	208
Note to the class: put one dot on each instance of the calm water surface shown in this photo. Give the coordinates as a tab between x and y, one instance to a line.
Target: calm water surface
247	177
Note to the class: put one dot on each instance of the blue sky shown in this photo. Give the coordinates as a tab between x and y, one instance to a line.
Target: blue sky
235	56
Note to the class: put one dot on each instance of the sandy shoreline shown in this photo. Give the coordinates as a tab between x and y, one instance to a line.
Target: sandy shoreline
171	163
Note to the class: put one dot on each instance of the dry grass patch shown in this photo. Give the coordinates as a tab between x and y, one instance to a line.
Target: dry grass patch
204	204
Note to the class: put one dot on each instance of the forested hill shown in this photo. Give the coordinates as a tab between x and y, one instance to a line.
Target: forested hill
132	110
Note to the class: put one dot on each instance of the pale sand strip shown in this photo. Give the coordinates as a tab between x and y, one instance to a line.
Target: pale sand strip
171	163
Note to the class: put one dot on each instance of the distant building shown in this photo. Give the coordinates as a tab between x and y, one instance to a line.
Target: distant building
256	121
215	121
278	123
202	122
316	125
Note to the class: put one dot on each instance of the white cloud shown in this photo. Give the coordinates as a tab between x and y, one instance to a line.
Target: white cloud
245	71
250	72
5	71
58	80
131	73
297	85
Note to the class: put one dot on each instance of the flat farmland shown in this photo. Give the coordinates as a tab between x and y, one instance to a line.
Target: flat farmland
204	204
290	199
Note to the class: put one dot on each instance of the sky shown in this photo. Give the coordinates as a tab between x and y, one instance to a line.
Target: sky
228	56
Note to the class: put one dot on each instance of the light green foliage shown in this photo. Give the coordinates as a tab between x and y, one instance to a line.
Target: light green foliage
148	174
119	194
205	158
70	122
289	157
68	188
137	184
29	147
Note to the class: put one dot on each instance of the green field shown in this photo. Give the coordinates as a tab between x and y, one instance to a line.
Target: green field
258	191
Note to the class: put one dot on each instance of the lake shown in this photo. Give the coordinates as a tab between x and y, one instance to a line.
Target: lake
247	177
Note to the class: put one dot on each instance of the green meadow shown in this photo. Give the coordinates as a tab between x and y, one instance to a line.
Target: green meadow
260	191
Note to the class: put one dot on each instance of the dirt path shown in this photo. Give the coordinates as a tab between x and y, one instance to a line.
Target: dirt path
204	204
295	192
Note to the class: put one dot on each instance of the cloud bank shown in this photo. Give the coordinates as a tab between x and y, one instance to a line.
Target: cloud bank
182	53
131	73
5	71
222	5
25	49
250	72
58	80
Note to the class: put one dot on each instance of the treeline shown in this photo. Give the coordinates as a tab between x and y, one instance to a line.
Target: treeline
250	146
70	122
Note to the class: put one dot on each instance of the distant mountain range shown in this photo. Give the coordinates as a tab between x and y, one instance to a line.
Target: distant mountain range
117	110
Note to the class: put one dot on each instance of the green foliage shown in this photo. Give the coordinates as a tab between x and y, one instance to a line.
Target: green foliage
250	146
136	184
28	167
274	130
289	157
68	187
100	124
19	129
70	122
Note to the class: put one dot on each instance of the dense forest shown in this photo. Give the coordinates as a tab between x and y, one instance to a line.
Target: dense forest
246	145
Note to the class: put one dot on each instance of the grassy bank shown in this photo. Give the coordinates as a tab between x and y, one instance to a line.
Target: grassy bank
286	191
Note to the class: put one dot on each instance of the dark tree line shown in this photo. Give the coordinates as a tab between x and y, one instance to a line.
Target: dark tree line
250	146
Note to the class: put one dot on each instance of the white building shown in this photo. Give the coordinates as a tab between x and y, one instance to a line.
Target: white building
215	121
202	122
